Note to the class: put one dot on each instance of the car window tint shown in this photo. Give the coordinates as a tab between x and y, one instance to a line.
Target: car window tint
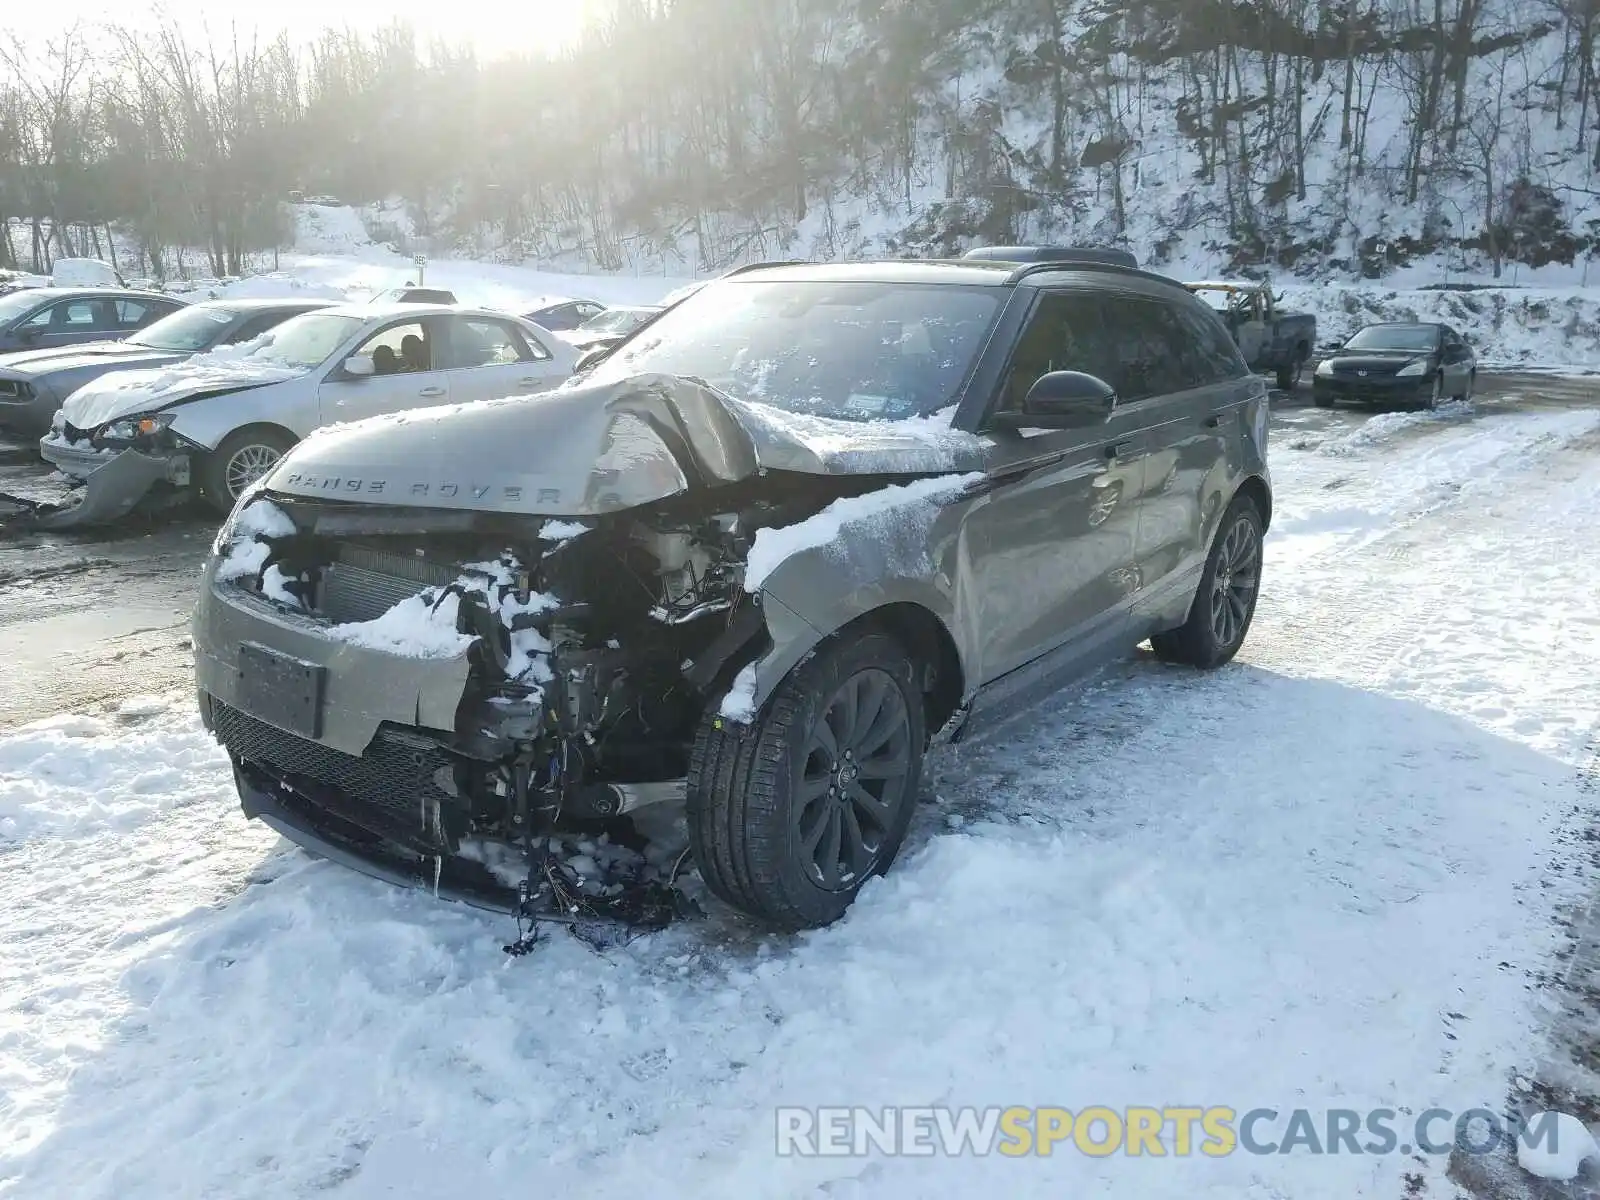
479	342
1217	358
74	315
399	349
1065	333
1155	354
131	312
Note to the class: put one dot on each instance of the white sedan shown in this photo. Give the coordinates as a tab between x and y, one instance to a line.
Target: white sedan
220	421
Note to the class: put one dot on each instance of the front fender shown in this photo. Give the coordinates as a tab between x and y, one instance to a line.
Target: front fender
819	590
205	421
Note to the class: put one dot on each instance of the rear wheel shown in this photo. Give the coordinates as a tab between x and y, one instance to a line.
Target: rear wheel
790	816
243	457
1289	373
1225	603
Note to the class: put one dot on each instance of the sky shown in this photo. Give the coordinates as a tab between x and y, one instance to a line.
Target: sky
496	27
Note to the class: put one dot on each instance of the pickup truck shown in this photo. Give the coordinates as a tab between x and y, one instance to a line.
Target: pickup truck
1272	341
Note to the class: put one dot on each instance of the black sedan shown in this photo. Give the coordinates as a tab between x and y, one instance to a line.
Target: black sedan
1403	364
33	384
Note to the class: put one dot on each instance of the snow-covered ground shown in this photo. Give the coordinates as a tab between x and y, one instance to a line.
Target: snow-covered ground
1322	877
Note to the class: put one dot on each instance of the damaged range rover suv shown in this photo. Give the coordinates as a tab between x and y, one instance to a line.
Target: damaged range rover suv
779	542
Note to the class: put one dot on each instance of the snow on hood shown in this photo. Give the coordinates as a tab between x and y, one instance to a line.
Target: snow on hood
124	393
595	448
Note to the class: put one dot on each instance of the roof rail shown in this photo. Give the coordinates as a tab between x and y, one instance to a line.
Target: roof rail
1058	254
1041	268
761	266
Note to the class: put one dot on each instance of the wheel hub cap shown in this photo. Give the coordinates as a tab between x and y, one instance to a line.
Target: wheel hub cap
854	782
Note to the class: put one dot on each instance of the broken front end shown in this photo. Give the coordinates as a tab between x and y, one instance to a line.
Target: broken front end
112	471
435	697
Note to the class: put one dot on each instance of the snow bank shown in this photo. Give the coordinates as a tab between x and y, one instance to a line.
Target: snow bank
72	776
892	522
280	285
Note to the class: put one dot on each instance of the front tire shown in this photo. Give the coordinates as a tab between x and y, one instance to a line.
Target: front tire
244	456
791	815
1225	603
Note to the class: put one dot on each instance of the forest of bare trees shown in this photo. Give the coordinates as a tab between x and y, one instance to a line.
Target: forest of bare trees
715	129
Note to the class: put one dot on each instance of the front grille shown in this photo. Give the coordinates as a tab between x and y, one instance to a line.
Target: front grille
390	790
362	584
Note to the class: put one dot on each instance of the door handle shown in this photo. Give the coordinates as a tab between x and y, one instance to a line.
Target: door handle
431	391
530	382
1121	449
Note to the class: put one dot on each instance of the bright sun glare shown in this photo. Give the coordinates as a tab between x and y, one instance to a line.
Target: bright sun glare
494	29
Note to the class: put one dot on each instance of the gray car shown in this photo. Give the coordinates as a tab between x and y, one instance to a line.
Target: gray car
34	384
49	318
807	524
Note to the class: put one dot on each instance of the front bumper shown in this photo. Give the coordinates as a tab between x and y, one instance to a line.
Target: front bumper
24	408
295	816
112	485
1375	389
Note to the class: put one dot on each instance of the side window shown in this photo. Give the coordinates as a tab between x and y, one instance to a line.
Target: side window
1217	357
1156	352
585	311
480	342
71	316
399	349
132	314
1065	333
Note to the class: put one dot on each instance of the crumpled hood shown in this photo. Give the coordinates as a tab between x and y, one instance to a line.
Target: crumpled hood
29	363
589	449
126	393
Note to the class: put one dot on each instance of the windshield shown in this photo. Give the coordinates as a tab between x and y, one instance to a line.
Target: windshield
853	351
188	329
1395	337
307	340
16	304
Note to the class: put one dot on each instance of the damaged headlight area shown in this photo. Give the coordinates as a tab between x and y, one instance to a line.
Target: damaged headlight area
594	649
146	431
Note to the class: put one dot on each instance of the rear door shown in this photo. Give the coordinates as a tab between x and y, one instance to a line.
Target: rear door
404	352
1053	546
487	358
134	315
1190	387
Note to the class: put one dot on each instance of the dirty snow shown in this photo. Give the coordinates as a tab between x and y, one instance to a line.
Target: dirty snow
561	531
1327	876
893	518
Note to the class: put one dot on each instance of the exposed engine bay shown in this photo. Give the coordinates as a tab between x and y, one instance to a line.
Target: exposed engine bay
596	648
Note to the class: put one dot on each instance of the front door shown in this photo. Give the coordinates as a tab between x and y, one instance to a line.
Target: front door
404	376
1053	544
490	358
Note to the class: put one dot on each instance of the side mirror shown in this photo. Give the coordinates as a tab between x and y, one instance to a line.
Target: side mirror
360	364
1064	400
